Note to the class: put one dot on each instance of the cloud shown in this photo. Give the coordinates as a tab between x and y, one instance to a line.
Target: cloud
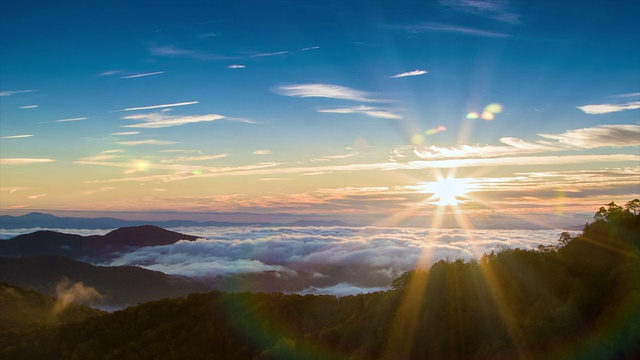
492	9
193	158
334	260
270	54
310	48
23	161
67	120
609	108
365	110
68	293
151	107
13	92
142	75
126	133
409	73
99	190
637	94
33	197
454	29
17	136
161	120
110	72
601	136
262	152
586	138
174	52
236	66
146	142
326	91
29	106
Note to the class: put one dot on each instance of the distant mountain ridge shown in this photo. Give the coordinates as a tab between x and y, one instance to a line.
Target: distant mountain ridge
42	220
94	247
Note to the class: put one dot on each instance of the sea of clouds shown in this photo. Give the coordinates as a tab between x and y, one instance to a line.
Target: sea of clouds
321	260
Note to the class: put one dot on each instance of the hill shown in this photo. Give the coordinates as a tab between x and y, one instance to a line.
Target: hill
89	247
119	286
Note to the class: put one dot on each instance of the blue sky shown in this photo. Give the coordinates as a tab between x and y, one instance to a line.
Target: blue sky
337	109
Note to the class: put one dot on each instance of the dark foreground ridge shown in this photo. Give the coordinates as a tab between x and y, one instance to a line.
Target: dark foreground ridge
89	247
577	300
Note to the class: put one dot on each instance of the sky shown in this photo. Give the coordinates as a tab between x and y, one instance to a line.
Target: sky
427	113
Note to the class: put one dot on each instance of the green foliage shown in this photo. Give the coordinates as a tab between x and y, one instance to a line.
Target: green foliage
575	301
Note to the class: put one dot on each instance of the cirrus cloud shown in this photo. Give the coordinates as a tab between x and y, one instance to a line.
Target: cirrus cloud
326	91
609	108
23	161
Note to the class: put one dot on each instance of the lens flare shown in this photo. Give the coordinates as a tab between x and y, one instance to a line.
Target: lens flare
435	130
417	139
493	108
486	115
473	115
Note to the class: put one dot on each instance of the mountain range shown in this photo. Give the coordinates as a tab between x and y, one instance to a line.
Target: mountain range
48	221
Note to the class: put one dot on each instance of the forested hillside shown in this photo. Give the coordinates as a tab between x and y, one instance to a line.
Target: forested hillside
578	300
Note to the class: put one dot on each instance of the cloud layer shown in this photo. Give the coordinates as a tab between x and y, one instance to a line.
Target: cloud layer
338	260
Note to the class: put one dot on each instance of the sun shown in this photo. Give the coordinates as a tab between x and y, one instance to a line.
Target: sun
448	191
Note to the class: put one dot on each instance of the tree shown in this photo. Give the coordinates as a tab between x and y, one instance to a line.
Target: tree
565	237
633	206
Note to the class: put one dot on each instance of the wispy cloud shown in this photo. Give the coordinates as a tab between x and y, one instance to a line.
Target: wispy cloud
23	161
365	110
110	72
326	91
446	28
146	142
409	73
13	92
637	94
182	159
126	133
586	138
601	136
184	151
310	48
17	136
99	190
262	152
492	9
175	52
142	75
161	120
29	106
37	196
236	66
270	54
609	108
151	107
65	120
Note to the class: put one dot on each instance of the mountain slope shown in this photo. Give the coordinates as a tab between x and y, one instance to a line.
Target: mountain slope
119	285
22	308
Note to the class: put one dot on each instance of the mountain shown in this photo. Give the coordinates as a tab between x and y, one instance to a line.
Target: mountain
118	285
89	247
22	308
